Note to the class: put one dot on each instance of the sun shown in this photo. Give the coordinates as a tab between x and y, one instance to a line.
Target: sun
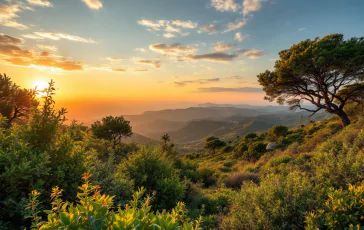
40	85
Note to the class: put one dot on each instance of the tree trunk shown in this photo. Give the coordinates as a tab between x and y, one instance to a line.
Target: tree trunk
345	121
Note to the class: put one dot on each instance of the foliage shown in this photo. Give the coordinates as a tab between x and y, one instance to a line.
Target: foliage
343	210
93	211
15	103
278	131
151	169
278	202
112	129
213	143
314	71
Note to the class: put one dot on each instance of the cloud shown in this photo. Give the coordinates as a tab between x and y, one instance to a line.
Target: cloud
236	25
210	29
254	53
155	25
185	24
93	4
198	81
156	64
114	59
251	6
32	36
301	29
140	49
43	3
7	39
118	69
9	12
213	57
12	53
44	47
223	46
141	70
58	36
169	35
239	37
235	77
235	90
171	28
225	5
175	48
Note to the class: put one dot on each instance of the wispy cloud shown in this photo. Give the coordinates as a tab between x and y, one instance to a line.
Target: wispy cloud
45	47
225	5
223	46
118	69
234	90
156	64
301	29
210	29
197	81
7	39
93	4
253	53
251	6
114	59
171	29
12	53
185	24
175	48
43	3
236	25
213	57
239	37
9	12
58	36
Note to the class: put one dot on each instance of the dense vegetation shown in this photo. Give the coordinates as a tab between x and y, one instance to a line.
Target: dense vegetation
58	176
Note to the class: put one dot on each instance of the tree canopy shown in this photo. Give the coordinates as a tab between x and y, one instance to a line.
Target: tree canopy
15	103
214	143
112	129
315	71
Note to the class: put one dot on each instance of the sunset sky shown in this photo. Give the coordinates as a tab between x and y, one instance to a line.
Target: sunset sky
127	56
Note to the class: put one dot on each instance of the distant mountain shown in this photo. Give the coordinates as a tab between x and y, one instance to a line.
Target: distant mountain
140	139
192	113
189	127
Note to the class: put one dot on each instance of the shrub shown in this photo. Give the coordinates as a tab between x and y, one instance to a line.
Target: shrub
151	169
278	202
93	211
235	180
343	209
255	151
338	164
284	159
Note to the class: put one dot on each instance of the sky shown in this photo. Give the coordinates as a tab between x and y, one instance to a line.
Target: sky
127	56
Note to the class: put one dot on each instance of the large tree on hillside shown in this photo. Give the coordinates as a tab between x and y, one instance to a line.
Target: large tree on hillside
112	129
315	71
15	103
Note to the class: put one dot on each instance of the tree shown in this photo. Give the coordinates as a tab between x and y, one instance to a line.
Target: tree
314	71
112	129
213	143
165	138
15	103
278	131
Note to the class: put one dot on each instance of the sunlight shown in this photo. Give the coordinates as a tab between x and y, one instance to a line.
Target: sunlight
40	85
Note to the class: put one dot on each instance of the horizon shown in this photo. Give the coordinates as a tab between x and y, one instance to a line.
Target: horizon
123	58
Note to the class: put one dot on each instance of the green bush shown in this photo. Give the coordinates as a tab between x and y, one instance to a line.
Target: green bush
278	202
344	209
94	211
284	159
151	169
